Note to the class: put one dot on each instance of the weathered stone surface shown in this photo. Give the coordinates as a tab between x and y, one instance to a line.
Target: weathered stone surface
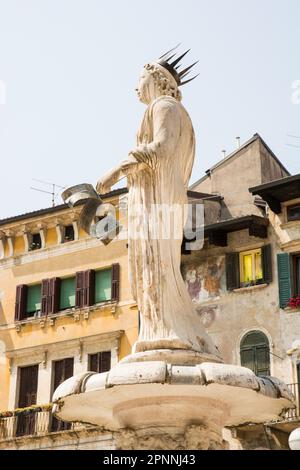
226	374
137	373
179	357
185	375
193	437
147	395
281	388
71	385
266	387
95	382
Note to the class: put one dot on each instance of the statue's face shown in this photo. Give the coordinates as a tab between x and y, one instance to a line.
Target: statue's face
143	86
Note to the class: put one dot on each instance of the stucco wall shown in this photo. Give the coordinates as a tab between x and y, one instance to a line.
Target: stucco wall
228	316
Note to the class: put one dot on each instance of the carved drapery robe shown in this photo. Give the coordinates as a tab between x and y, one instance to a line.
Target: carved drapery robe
165	155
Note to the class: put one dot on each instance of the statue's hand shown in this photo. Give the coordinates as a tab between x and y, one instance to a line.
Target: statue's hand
129	164
102	187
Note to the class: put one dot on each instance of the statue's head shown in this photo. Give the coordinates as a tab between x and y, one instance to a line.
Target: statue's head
162	78
155	81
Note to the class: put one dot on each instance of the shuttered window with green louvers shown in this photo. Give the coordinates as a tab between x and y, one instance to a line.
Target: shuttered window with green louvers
103	285
33	304
67	293
284	278
255	353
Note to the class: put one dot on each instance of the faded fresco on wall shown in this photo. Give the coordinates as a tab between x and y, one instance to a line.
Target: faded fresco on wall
207	279
207	315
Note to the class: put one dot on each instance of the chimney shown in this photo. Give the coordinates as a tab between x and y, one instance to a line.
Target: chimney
238	142
224	153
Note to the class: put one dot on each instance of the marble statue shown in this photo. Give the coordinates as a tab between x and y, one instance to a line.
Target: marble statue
173	391
158	170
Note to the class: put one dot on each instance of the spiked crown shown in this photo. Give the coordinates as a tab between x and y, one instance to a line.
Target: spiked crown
173	67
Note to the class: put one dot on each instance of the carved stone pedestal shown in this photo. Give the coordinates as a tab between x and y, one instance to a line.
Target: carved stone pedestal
156	405
193	437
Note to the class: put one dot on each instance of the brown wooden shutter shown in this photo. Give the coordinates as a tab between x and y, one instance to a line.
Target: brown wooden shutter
79	288
63	370
105	361
232	271
54	292
69	367
115	282
89	288
266	253
45	294
93	365
28	386
21	299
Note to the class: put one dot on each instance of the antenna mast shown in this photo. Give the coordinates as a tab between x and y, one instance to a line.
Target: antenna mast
53	192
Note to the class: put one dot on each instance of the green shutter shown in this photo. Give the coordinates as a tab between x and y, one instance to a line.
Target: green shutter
67	293
102	285
33	303
284	278
248	358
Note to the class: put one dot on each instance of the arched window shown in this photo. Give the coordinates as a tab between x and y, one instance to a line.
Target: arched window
255	353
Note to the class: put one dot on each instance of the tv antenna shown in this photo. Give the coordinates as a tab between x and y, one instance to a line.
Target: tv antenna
53	192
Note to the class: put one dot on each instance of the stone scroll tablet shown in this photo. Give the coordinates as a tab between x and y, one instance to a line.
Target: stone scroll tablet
107	228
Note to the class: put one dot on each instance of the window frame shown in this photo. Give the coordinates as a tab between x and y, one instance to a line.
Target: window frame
97	271
295	273
37	313
66	240
31	243
263	345
62	279
291	206
253	281
98	354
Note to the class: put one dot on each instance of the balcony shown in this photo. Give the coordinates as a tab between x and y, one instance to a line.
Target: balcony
294	414
32	421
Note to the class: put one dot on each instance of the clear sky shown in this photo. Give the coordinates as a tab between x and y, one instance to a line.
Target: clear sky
68	69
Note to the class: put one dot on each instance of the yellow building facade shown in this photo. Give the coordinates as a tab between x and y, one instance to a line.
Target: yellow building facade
81	328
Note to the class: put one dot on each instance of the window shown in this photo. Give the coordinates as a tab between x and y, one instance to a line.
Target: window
102	285
100	362
36	242
69	233
97	286
28	382
62	370
67	293
249	268
33	303
296	274
56	294
255	353
288	277
293	212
